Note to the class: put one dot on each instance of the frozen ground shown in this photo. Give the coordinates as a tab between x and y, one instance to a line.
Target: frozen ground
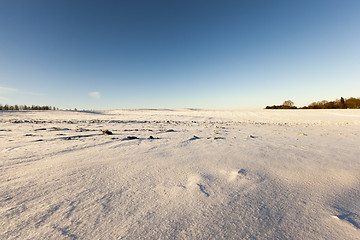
201	175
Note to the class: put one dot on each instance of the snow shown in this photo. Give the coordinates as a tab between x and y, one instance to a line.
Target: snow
204	174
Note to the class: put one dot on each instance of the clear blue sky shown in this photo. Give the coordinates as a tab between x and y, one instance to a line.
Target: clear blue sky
178	54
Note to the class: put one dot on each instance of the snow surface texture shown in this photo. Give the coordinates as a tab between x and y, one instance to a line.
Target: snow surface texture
270	174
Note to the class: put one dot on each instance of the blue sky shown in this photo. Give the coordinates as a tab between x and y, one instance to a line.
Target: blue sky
178	54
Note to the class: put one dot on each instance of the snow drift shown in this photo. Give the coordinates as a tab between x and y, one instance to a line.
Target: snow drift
180	174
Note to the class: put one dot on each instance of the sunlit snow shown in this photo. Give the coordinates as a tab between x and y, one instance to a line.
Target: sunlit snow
180	174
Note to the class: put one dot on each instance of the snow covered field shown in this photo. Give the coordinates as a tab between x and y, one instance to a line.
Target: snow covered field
182	174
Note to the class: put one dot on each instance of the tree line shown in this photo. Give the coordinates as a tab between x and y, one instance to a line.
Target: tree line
342	103
7	107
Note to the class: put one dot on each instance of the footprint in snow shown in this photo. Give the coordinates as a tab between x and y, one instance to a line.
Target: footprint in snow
242	172
347	216
237	174
203	190
196	182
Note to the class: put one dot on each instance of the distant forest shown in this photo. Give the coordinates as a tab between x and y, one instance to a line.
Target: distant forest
7	107
342	103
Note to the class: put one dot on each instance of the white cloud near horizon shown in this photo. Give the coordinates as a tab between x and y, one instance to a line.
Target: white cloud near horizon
4	99
96	95
8	90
